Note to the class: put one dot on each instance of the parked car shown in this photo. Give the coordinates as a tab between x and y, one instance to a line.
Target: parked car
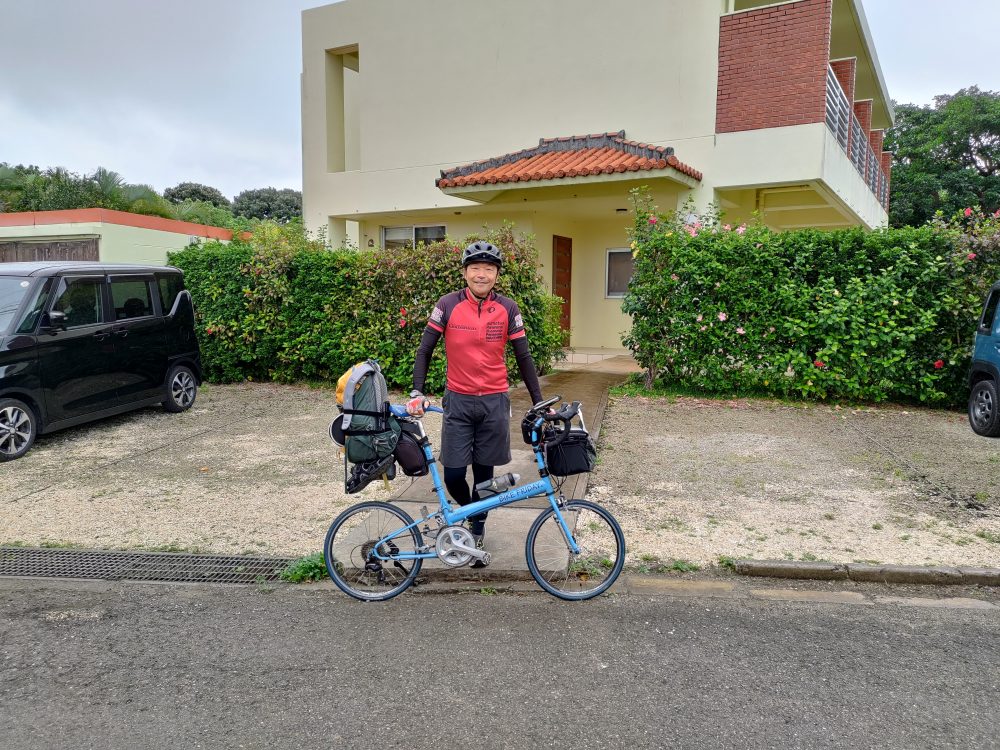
984	379
81	341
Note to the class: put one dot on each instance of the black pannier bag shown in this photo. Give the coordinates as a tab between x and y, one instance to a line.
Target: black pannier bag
577	454
409	453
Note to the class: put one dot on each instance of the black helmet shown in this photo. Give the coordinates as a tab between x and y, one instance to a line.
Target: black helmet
482	252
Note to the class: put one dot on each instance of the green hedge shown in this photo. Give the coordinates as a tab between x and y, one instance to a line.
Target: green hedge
281	307
853	314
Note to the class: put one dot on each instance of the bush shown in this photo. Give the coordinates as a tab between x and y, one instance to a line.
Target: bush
852	314
280	306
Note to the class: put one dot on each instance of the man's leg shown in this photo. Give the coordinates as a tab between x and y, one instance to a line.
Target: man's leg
458	488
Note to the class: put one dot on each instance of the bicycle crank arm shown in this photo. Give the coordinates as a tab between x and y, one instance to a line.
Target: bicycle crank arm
479	554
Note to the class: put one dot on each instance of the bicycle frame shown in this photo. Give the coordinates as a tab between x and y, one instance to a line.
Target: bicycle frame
456	514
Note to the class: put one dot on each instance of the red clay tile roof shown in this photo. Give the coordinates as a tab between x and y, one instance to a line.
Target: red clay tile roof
576	156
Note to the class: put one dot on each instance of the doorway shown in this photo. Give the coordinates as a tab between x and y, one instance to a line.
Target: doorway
562	276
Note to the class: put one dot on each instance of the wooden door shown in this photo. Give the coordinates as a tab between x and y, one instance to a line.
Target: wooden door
562	276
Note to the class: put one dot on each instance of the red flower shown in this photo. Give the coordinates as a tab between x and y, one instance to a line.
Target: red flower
968	212
939	364
971	256
456	249
820	363
402	311
653	220
402	322
209	330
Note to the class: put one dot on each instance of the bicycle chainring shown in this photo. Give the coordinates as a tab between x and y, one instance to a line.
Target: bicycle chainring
446	548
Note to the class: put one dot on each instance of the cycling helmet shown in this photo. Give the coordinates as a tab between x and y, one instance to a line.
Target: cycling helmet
482	252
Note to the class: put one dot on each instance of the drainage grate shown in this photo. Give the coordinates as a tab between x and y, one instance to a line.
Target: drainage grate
139	566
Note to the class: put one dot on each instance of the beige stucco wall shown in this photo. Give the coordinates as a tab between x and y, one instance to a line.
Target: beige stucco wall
792	156
116	243
463	90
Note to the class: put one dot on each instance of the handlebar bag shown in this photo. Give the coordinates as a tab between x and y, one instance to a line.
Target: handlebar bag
577	454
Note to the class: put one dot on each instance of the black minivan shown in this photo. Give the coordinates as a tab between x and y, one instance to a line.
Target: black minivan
81	341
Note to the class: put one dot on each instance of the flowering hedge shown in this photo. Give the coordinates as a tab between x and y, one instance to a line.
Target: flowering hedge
853	314
281	307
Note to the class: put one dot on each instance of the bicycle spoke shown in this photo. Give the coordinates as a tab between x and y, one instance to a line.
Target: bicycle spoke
362	561
590	570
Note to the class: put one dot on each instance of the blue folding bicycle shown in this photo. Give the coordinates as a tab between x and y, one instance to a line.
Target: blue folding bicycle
575	549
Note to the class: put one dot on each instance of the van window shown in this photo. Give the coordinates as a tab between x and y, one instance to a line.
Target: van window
989	314
80	299
131	298
32	314
12	292
170	286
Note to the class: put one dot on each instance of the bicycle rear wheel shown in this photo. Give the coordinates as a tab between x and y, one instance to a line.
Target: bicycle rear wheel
576	576
350	551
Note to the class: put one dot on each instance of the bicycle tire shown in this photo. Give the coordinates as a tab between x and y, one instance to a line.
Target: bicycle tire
601	558
346	556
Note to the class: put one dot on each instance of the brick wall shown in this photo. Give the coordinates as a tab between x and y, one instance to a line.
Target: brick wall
863	110
845	71
876	137
772	66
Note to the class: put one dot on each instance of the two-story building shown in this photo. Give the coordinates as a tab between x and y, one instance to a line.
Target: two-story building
426	118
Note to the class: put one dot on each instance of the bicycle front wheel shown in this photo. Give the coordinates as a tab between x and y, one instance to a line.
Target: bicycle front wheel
585	574
357	543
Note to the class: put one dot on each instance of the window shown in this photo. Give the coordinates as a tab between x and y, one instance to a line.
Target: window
989	313
12	292
619	271
80	300
393	237
34	312
131	298
170	287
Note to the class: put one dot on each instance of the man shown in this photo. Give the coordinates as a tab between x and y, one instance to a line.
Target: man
476	323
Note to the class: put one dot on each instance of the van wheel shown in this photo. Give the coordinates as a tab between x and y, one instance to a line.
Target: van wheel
984	411
18	428
182	389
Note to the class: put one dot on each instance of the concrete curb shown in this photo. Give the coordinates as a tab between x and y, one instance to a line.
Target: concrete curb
824	571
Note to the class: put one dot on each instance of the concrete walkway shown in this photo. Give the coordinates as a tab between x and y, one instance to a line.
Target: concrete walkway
507	527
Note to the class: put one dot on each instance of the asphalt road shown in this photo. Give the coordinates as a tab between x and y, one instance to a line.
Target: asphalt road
107	665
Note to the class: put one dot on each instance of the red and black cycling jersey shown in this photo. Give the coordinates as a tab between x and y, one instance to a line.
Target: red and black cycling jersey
476	333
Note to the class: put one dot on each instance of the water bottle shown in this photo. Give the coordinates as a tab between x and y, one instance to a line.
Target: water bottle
498	484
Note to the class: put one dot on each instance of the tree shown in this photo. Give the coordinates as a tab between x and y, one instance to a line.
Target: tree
196	192
28	188
945	156
269	203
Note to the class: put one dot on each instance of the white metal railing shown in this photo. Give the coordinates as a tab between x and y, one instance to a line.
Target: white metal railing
838	109
846	126
859	138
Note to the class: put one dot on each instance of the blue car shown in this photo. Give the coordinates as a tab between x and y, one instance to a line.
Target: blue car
984	379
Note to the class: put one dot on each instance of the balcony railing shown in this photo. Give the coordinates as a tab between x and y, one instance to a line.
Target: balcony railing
838	109
846	127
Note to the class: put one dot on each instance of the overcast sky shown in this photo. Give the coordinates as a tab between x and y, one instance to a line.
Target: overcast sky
208	90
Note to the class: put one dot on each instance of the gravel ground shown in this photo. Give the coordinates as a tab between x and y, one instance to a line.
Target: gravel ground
250	469
693	479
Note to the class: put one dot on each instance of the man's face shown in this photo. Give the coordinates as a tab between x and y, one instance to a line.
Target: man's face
481	278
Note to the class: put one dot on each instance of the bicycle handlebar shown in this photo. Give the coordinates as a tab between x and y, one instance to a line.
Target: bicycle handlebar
399	410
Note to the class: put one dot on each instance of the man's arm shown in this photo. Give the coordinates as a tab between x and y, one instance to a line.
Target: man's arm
422	361
526	366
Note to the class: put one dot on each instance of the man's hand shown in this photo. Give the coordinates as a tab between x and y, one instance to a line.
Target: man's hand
417	404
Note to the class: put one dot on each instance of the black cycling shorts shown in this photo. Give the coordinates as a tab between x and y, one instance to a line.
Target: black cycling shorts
476	429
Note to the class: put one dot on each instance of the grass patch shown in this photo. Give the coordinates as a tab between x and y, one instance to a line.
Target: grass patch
305	569
877	526
680	566
725	561
988	536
